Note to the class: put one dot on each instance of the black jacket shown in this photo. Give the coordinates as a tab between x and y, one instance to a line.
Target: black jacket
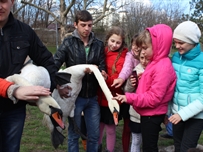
17	41
72	52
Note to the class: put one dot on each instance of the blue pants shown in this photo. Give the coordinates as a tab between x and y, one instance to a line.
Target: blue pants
169	129
11	128
91	111
186	134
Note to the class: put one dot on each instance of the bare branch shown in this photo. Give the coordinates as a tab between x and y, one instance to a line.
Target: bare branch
21	8
87	3
69	7
41	8
105	8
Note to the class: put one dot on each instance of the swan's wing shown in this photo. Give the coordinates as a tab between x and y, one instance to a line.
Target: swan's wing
31	75
62	78
36	75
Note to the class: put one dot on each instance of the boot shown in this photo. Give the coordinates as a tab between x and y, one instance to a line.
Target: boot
84	143
100	148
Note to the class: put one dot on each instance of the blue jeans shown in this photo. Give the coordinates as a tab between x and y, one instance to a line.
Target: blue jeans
11	128
169	128
91	111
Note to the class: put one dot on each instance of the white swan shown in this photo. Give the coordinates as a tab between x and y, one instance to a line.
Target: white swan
77	73
37	75
68	104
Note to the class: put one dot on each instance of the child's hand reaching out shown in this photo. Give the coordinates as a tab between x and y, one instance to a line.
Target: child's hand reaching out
117	82
119	97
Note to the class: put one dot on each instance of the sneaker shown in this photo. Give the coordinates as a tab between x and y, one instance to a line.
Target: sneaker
166	136
84	144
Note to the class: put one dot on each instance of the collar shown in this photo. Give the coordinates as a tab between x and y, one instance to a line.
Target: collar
192	53
10	21
91	36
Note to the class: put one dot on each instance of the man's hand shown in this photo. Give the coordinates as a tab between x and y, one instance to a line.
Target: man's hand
175	119
88	71
104	74
64	91
30	92
117	82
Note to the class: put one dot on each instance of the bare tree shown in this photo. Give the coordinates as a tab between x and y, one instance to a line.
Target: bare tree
172	12
67	9
138	15
197	14
141	16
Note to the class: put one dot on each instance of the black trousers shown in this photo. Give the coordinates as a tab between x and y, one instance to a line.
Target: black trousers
186	134
150	128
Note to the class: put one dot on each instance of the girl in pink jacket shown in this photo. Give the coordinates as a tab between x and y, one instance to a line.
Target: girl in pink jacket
131	61
156	86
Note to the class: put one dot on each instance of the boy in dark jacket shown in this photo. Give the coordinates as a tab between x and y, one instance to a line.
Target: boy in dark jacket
83	48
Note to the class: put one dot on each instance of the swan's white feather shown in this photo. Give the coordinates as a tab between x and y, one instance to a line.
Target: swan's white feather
36	75
77	73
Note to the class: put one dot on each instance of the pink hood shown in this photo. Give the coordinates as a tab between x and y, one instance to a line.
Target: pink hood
162	37
156	86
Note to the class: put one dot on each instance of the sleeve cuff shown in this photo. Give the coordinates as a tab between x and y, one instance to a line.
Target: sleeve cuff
10	92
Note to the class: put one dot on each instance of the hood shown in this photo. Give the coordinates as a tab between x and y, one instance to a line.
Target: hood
91	36
162	37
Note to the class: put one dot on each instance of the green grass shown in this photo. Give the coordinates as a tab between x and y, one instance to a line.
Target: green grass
52	49
36	136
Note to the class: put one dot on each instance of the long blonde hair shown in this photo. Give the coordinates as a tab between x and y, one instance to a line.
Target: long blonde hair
120	32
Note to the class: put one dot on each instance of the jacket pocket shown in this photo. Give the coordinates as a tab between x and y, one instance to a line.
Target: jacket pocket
19	51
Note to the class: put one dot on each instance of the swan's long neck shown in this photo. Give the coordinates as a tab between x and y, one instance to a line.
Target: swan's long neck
113	104
102	83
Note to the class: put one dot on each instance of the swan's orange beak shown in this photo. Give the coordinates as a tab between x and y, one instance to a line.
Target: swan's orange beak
58	119
115	116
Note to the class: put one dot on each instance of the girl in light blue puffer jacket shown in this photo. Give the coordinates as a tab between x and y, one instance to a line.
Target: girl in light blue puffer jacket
187	105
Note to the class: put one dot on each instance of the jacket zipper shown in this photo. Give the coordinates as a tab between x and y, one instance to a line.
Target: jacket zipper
2	32
86	74
179	76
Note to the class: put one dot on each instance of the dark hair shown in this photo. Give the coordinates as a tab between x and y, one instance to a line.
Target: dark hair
133	40
120	32
83	15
